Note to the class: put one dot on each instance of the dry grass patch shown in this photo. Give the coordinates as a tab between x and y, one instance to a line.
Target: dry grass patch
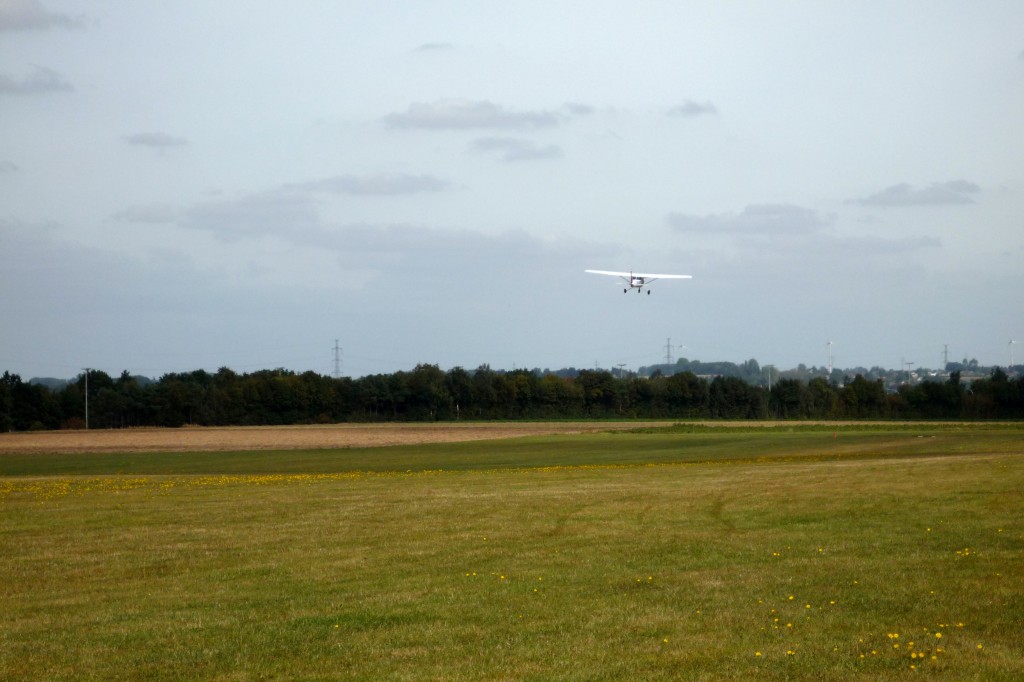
237	438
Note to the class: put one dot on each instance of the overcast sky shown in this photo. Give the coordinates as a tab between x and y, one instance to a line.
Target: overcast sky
195	184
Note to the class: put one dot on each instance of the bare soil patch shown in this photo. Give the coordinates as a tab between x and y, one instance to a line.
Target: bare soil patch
287	437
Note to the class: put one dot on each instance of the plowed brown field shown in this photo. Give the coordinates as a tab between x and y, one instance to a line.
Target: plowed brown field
286	437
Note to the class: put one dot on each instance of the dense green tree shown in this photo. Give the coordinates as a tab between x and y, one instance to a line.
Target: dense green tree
428	396
427	393
823	399
688	395
7	383
996	397
862	399
733	398
600	395
789	399
459	385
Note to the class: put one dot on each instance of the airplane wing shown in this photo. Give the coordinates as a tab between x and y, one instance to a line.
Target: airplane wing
638	274
609	272
646	276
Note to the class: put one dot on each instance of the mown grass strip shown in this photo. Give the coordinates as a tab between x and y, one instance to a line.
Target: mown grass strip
787	569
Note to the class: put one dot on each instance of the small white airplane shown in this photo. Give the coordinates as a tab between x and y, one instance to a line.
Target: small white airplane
636	280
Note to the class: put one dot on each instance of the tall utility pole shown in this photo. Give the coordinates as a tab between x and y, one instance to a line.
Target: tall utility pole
668	351
945	355
1011	352
337	359
830	359
86	398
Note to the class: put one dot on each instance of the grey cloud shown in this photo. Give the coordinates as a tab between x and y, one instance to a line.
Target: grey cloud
287	212
514	149
866	247
384	184
153	214
40	81
462	114
689	109
756	219
294	218
578	109
255	215
155	140
411	252
937	193
434	47
31	15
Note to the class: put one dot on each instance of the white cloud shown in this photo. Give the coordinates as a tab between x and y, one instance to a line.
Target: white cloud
513	149
463	114
40	81
31	15
935	194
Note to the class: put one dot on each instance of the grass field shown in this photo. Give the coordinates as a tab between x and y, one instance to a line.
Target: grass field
818	553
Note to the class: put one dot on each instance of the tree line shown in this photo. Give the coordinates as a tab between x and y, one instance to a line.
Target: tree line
277	397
